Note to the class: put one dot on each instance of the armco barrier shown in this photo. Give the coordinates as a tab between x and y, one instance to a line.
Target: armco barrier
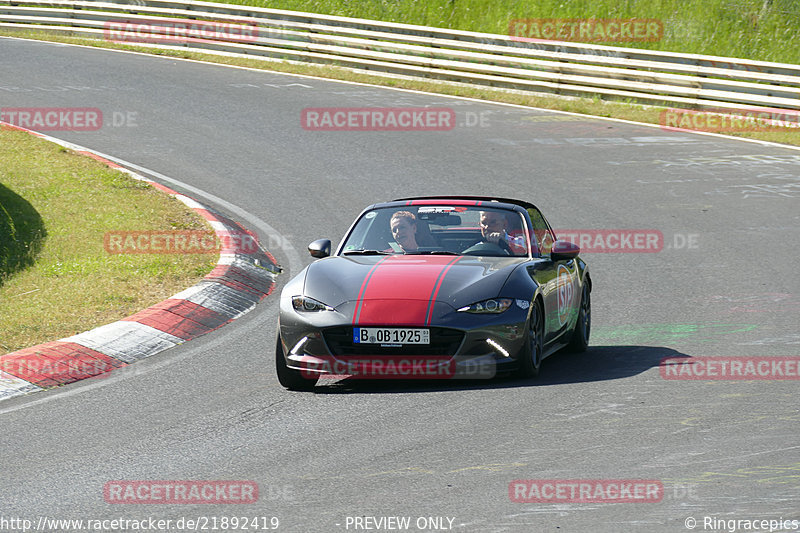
384	48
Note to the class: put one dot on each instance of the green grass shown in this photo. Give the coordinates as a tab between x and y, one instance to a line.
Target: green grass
56	279
765	30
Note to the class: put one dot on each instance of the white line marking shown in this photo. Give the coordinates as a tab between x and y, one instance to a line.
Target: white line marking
289	251
295	264
464	98
141	368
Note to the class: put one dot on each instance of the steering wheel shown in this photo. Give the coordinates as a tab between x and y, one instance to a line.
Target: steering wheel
485	248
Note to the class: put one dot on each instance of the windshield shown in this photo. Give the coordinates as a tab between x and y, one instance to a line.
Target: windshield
439	229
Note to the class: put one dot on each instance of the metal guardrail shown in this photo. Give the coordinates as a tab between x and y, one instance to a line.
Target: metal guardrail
391	49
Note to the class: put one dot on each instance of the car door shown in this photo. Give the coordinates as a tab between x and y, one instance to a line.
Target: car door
558	280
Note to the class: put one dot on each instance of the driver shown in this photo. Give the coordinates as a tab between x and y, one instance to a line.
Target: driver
493	228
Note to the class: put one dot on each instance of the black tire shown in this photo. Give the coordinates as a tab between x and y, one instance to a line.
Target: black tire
531	355
289	377
583	327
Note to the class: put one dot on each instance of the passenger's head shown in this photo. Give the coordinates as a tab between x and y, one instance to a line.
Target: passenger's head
404	230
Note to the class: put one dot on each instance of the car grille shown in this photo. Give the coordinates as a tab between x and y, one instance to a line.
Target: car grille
444	341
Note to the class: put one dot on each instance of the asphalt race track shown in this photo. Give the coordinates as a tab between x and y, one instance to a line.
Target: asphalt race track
444	455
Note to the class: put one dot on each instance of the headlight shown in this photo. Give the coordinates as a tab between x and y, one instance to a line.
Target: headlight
495	305
304	303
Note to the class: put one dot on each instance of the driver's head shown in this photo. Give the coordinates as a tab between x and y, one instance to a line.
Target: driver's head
493	222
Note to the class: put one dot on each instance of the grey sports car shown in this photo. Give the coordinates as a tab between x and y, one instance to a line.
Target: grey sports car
434	288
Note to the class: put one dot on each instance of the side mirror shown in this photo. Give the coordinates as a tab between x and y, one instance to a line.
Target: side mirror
320	248
564	250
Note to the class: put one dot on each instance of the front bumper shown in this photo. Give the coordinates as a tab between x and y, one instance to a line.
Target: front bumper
463	346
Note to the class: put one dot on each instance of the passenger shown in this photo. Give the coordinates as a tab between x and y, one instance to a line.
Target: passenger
404	230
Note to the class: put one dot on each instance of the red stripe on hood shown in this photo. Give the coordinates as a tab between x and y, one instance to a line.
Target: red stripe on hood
437	286
400	290
364	286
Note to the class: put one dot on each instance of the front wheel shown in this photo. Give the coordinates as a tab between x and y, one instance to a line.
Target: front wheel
531	355
289	377
580	335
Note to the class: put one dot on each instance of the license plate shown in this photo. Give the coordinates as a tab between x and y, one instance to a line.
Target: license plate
391	336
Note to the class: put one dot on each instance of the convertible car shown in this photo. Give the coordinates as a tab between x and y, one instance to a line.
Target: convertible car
434	288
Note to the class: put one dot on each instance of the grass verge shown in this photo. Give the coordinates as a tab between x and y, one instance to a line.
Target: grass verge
587	106
56	279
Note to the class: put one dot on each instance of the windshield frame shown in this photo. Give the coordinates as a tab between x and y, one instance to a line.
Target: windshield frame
522	234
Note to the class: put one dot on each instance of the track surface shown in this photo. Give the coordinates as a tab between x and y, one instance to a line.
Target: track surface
212	409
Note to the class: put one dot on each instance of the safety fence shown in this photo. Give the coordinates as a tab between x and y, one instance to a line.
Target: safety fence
392	49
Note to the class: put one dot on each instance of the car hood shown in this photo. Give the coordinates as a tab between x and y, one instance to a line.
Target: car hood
405	289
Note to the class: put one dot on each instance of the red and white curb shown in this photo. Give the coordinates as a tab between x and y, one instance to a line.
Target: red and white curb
238	282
